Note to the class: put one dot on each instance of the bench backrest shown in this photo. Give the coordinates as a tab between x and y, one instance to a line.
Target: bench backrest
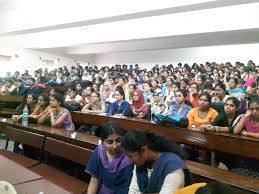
230	178
68	151
22	136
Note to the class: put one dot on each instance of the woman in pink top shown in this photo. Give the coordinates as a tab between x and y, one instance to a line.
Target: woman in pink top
59	117
249	124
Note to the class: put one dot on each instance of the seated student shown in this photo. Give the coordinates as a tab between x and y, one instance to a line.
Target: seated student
31	103
139	107
203	114
234	90
19	90
180	108
226	121
221	93
7	88
249	124
72	95
42	106
159	105
59	117
193	95
73	100
148	93
109	167
120	107
129	96
95	105
158	164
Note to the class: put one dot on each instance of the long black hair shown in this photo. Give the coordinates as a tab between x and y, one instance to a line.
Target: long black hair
135	139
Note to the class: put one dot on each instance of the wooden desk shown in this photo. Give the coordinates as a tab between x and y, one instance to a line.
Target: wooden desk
223	142
82	140
14	173
39	186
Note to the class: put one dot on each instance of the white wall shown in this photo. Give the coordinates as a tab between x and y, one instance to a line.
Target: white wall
231	53
26	59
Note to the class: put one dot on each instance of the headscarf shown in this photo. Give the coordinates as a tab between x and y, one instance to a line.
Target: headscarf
138	104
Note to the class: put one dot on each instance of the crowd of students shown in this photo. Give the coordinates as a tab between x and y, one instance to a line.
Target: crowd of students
211	97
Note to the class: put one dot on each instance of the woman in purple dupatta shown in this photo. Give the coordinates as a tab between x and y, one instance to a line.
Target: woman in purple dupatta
110	169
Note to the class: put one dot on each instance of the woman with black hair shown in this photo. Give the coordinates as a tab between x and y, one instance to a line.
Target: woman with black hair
226	121
159	167
42	106
120	107
221	93
59	116
202	115
180	108
109	167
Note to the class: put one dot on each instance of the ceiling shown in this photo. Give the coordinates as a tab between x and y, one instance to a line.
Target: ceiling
94	28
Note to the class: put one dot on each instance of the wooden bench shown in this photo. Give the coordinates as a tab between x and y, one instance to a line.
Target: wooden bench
210	173
221	142
60	146
32	139
68	151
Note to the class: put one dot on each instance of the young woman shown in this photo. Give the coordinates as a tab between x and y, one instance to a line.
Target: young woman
59	117
226	121
220	91
42	106
249	124
110	169
193	95
139	107
106	91
95	105
120	107
73	96
180	108
202	115
31	103
132	88
158	165
148	94
159	104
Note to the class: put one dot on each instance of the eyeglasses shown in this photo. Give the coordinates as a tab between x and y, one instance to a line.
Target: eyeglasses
135	94
94	96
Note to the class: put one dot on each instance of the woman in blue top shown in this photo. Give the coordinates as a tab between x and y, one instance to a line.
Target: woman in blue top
158	165
180	108
120	107
110	169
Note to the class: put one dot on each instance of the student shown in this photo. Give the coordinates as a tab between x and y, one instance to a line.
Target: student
59	117
158	165
226	121
42	106
139	107
249	124
95	105
109	167
202	115
120	107
180	108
